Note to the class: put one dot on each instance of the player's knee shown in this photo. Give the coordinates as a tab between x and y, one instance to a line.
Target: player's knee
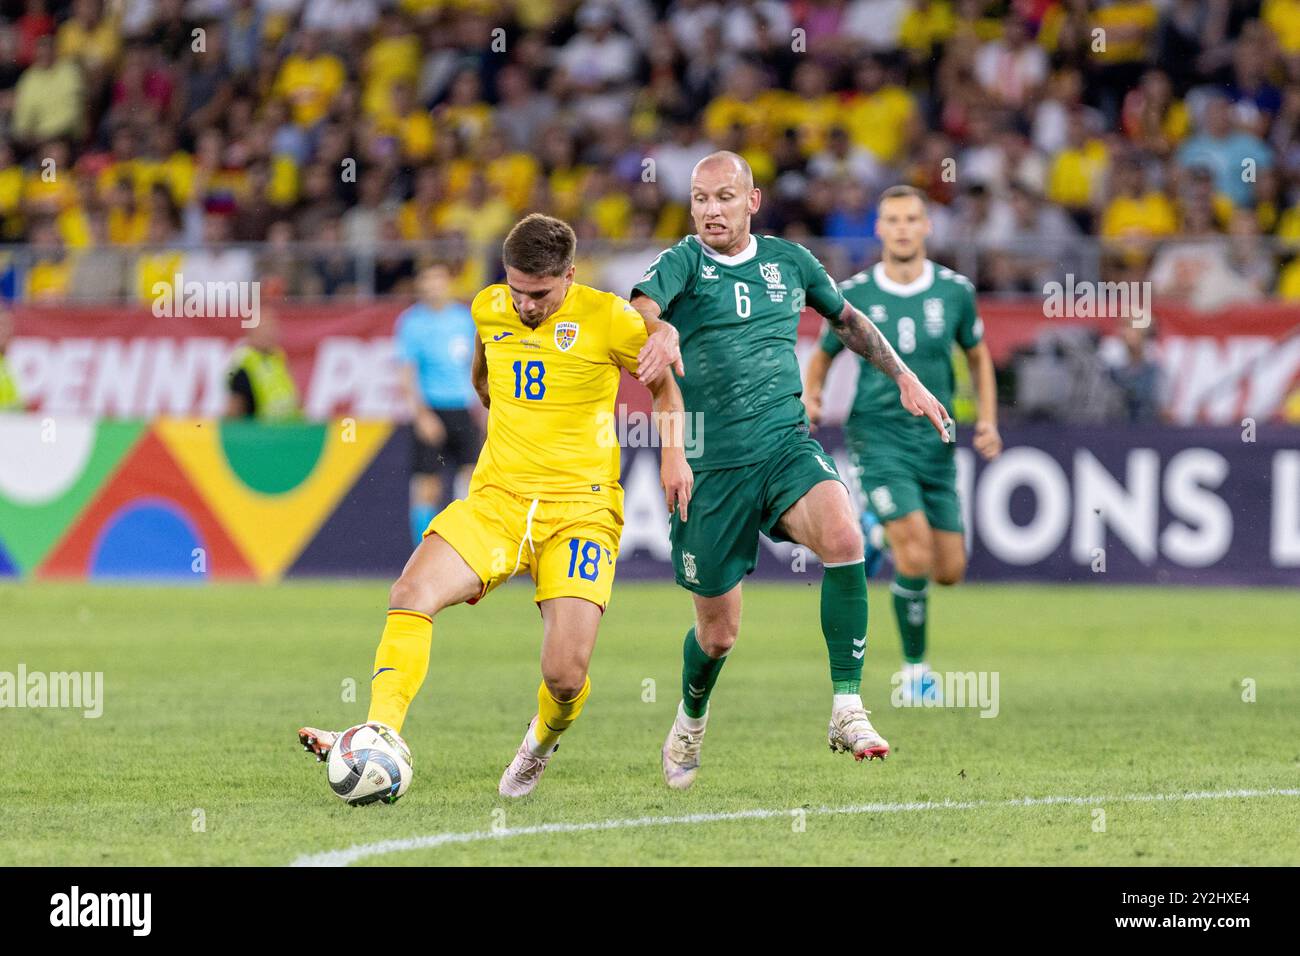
913	559
716	637
564	682
950	573
841	542
415	594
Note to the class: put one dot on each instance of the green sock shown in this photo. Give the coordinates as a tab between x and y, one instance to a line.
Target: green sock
909	608
699	674
844	623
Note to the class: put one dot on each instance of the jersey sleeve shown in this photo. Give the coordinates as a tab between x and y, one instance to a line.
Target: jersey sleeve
823	294
666	278
484	306
403	340
627	334
830	342
970	327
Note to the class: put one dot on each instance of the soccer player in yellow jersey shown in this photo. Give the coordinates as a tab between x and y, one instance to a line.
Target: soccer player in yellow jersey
545	497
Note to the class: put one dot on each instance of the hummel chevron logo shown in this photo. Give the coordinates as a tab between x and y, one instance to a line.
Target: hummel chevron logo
862	643
695	692
498	338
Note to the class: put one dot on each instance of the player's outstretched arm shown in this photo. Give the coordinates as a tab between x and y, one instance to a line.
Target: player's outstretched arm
662	348
670	419
814	381
860	334
987	440
478	373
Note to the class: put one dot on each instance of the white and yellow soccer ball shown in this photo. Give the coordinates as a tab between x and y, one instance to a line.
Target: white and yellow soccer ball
369	763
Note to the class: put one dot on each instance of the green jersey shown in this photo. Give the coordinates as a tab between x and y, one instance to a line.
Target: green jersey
921	320
738	318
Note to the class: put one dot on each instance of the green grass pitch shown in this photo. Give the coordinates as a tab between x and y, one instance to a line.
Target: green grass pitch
1105	692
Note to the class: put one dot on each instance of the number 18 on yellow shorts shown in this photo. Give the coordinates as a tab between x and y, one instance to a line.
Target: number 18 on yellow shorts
568	547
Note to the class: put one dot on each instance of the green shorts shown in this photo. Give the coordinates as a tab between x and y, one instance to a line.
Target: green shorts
895	483
718	543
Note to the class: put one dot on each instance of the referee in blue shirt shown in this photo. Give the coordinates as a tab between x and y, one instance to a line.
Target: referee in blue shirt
435	343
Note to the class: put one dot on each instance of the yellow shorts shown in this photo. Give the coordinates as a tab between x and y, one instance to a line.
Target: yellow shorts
569	547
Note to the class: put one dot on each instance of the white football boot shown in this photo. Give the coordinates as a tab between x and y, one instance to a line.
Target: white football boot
525	770
681	753
851	732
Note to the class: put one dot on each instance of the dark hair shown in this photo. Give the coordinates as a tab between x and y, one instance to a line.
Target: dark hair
899	192
540	246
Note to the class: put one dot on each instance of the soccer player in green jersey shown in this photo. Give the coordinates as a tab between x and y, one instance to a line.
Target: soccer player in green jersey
908	478
735	300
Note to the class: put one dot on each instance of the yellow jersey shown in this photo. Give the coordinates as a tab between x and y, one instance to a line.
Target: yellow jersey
550	433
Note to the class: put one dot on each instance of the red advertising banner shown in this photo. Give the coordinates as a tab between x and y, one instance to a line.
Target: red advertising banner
118	362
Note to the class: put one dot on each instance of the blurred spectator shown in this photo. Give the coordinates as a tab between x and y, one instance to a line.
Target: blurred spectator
851	227
676	158
100	272
842	159
215	261
1078	171
1011	69
48	100
1128	27
1131	361
258	381
1199	267
10	399
163	261
1030	243
332	271
1152	119
1232	155
309	79
522	111
1136	217
596	63
51	271
881	114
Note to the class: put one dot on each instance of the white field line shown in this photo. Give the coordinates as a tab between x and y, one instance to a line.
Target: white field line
363	851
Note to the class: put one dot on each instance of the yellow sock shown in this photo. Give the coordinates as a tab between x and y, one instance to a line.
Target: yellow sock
555	716
401	662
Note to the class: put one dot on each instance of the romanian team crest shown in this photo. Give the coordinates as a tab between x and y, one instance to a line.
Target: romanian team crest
566	333
771	273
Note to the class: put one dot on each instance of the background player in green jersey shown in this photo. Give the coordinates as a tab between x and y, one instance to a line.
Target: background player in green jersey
735	300
907	477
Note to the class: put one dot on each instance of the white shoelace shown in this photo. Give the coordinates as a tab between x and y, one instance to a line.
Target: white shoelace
527	538
685	745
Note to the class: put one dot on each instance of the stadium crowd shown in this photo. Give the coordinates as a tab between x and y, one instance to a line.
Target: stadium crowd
155	132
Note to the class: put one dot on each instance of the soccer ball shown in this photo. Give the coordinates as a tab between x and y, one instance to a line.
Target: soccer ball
369	763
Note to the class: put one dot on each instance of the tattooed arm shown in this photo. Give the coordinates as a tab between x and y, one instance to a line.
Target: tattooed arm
860	334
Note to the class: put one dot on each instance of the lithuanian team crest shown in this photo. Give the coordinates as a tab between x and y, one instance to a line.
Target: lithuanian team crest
566	333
